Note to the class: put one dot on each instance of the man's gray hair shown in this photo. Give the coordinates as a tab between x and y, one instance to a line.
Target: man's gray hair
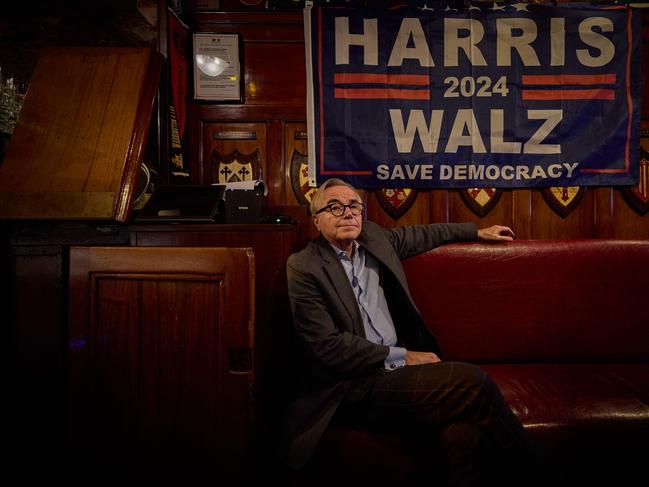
316	202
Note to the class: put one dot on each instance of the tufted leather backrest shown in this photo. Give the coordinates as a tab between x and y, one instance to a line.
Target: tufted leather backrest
536	301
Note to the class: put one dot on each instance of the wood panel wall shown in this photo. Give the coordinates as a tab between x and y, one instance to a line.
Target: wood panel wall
274	101
160	363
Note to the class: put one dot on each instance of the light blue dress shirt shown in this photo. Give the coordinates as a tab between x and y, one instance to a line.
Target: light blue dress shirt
363	273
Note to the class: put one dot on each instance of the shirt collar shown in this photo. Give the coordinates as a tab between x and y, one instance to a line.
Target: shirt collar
341	253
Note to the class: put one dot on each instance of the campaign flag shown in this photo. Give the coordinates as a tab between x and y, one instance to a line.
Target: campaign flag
493	95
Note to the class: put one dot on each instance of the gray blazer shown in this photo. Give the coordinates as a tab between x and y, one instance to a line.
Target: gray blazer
329	325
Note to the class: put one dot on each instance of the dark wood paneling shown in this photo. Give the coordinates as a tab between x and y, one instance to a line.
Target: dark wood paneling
616	219
274	26
224	139
274	174
294	141
275	93
546	223
160	361
418	212
37	325
203	118
272	76
522	211
272	244
38	339
274	89
501	214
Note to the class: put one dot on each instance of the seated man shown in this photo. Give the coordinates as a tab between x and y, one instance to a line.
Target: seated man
369	356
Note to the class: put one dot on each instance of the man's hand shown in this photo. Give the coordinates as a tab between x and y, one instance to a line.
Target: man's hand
496	233
419	358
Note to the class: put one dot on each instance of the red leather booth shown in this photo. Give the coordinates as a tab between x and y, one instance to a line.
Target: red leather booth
562	327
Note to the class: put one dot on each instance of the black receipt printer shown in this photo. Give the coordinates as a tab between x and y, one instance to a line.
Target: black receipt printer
244	201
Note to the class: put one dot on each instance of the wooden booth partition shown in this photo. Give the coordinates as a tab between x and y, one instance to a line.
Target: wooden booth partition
70	175
161	364
271	244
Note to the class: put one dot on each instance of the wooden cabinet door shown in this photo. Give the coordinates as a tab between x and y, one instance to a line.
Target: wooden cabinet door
160	361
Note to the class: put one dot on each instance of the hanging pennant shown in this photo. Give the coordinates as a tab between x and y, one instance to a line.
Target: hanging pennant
178	39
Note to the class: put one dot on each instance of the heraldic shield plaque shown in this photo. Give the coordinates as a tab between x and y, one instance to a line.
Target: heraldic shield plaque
637	197
300	179
563	200
235	167
481	200
396	202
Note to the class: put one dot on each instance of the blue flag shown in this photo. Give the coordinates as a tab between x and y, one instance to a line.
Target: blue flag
502	95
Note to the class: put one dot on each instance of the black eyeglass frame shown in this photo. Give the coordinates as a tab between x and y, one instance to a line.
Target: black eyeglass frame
355	204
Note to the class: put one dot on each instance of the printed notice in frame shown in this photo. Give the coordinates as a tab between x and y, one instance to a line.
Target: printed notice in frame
217	67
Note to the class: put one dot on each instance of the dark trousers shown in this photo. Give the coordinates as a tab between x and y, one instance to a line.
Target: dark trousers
465	413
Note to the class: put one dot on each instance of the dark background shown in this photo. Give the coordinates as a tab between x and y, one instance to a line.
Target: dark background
27	26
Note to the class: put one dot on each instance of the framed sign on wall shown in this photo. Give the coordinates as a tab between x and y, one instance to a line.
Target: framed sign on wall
217	67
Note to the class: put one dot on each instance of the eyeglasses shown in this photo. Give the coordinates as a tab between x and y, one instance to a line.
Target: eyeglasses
338	209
